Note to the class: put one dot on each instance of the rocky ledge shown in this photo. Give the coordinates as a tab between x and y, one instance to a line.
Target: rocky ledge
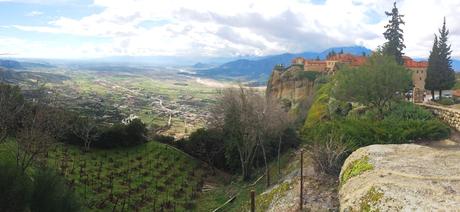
405	177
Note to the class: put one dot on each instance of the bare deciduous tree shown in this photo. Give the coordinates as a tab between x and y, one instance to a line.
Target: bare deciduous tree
85	129
34	138
235	114
11	105
248	121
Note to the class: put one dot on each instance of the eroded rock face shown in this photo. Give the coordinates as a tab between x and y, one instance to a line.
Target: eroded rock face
286	85
405	177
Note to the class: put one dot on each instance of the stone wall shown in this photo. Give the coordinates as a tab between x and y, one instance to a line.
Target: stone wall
449	115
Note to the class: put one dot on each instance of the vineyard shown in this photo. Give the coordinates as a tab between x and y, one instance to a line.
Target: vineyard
150	177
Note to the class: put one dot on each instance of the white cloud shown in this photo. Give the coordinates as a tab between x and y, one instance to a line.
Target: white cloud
34	13
252	27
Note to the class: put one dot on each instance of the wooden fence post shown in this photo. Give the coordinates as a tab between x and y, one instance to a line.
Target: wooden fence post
301	179
268	178
253	201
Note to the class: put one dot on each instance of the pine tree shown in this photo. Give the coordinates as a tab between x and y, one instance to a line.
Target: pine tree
394	35
432	81
445	61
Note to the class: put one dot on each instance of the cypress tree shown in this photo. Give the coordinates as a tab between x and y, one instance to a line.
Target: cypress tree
394	35
433	76
445	61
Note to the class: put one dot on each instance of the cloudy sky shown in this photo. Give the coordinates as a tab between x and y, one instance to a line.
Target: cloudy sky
212	28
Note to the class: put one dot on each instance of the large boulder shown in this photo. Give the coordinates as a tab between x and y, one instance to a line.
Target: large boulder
405	177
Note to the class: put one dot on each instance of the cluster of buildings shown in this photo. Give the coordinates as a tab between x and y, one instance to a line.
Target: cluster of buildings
332	64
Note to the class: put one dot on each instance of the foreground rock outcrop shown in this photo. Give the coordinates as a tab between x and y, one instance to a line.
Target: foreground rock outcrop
405	177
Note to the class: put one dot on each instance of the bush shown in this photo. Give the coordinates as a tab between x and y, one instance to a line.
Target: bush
446	101
319	109
44	190
408	111
328	155
311	75
122	135
15	188
51	194
163	139
356	133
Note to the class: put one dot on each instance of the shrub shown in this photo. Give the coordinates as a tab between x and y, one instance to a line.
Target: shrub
446	101
328	155
46	191
408	111
357	133
311	75
122	135
163	138
319	109
51	193
15	188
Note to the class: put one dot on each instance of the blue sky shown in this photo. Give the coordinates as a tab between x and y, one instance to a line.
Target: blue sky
210	28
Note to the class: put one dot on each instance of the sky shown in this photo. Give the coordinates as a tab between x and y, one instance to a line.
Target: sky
213	28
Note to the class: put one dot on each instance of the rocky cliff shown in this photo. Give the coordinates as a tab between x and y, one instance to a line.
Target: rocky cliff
292	86
405	177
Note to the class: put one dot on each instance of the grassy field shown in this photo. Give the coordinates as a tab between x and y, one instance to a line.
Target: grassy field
150	177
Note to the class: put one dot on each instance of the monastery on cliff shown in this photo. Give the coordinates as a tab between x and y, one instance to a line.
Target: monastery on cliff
330	66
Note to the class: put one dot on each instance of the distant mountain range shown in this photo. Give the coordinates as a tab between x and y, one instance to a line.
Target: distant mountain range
259	69
13	64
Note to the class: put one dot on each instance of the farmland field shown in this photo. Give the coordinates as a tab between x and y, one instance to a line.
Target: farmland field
150	177
173	103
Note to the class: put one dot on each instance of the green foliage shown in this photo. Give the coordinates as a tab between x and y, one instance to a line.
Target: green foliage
440	75
51	193
148	177
371	198
446	101
445	63
118	135
43	190
15	188
363	132
433	75
208	145
319	109
311	75
374	84
394	36
356	168
408	111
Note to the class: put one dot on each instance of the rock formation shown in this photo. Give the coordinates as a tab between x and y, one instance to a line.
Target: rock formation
293	87
405	177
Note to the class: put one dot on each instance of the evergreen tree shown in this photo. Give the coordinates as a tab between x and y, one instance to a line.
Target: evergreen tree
341	51
445	61
394	35
432	81
317	58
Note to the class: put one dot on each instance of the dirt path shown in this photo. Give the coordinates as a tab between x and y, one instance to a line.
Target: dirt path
320	192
